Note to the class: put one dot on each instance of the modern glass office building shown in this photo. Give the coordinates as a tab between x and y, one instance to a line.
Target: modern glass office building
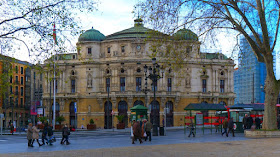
249	77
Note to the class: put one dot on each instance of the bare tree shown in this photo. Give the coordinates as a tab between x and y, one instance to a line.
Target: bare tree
28	24
257	21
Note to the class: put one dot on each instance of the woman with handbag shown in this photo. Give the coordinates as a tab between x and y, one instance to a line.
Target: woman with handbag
35	135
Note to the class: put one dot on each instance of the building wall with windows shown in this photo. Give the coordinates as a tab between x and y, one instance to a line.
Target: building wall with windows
112	68
14	106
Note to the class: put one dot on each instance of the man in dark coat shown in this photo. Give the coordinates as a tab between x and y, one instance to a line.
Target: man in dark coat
12	128
44	134
50	134
136	132
148	129
65	135
225	126
258	123
230	127
245	119
250	122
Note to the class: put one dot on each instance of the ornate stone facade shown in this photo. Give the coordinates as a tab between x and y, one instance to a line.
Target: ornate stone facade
117	61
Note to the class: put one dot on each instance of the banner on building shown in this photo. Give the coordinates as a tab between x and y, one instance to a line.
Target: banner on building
33	108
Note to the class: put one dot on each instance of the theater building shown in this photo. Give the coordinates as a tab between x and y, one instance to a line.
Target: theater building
111	68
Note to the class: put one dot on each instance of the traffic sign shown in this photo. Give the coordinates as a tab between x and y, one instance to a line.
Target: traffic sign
75	106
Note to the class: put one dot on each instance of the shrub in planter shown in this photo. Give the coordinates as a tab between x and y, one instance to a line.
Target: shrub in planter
43	120
121	124
59	119
91	125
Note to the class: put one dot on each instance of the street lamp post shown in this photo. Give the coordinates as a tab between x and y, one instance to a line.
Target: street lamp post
146	90
108	90
154	75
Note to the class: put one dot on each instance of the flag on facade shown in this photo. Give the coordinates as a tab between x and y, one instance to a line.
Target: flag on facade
54	34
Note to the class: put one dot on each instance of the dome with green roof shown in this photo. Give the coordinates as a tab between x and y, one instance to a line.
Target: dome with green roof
91	35
138	31
185	34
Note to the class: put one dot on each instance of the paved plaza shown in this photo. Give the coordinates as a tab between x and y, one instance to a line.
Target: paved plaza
118	144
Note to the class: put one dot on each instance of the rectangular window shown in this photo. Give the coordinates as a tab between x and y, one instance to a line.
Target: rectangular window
109	49
154	88
10	114
16	102
21	91
107	84
188	50
55	86
16	90
123	49
21	80
89	50
11	89
16	80
11	100
169	84
21	70
11	79
34	75
73	86
222	86
138	84
21	102
204	85
41	77
122	84
16	69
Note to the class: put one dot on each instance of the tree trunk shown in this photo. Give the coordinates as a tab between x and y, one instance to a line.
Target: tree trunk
271	94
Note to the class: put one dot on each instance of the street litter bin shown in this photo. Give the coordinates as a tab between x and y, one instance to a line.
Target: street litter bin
161	131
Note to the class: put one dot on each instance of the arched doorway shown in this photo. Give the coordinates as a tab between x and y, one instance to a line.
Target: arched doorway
138	102
108	115
122	109
72	115
169	116
154	116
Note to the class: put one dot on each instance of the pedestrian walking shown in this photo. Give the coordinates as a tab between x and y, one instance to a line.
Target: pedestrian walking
225	126
12	128
143	129
35	135
65	135
29	135
258	123
136	132
50	134
191	126
217	124
244	122
230	127
45	134
148	129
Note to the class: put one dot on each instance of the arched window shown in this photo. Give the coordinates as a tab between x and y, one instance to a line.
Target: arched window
138	102
89	80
